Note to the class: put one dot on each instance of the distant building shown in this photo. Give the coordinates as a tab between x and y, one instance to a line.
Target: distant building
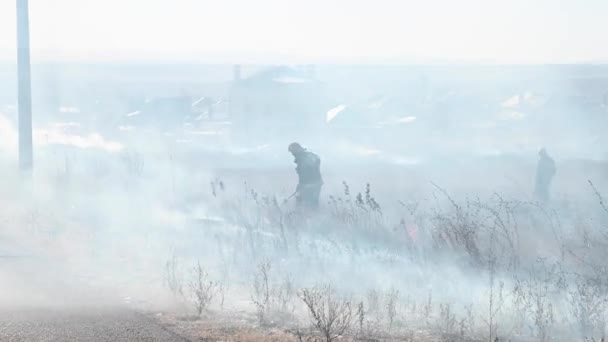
169	108
279	102
377	118
376	111
163	112
209	109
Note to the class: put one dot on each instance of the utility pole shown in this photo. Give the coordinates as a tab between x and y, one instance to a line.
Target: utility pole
26	158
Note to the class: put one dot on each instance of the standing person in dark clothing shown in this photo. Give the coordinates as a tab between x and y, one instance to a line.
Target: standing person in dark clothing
544	176
308	167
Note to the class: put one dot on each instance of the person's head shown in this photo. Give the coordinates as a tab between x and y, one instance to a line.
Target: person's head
543	153
295	148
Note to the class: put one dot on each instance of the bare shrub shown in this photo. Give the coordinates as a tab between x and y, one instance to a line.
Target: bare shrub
302	337
589	301
496	295
467	323
283	295
588	293
446	322
261	291
361	316
459	228
330	316
365	328
202	289
362	212
468	227
251	213
173	278
427	309
504	229
533	296
368	329
221	291
373	303
391	301
271	297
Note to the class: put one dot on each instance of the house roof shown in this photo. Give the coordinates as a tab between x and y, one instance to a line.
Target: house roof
380	108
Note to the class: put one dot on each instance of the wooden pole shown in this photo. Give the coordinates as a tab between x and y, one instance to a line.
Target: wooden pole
26	158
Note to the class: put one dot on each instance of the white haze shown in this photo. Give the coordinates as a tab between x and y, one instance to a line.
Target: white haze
271	31
109	205
139	162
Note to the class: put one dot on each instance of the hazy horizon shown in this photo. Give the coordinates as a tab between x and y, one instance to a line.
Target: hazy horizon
270	31
394	170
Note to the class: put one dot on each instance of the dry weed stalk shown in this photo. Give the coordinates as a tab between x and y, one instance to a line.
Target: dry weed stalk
392	299
261	291
202	288
331	316
174	277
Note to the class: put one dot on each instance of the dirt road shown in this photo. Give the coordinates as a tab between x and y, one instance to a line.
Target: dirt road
46	299
80	324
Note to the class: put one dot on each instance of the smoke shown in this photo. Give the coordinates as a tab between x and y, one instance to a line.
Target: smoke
56	136
440	206
8	137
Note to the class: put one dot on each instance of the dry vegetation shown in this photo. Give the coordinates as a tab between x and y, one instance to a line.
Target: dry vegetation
530	272
368	267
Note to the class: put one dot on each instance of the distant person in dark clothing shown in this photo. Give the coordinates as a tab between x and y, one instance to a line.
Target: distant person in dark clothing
544	176
308	167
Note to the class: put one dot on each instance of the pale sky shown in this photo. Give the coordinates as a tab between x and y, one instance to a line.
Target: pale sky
505	31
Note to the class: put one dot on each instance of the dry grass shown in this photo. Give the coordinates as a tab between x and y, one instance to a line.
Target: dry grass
242	327
498	237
